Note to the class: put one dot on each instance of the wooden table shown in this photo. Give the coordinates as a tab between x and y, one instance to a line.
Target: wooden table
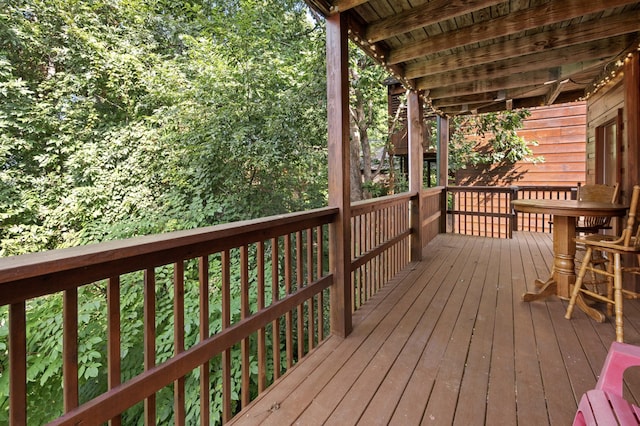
565	212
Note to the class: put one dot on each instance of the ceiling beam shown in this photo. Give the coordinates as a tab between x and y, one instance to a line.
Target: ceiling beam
422	16
538	77
596	50
526	19
342	5
553	39
554	91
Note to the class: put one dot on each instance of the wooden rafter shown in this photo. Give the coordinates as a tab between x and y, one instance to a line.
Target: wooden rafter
597	50
510	82
427	14
527	19
598	29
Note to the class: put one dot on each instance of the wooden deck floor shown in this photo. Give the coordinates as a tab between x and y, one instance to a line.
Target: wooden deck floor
450	342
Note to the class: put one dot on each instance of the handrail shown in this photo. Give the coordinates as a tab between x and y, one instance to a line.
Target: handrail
298	284
487	211
297	244
380	237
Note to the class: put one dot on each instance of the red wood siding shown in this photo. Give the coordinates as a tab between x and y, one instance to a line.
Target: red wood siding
560	131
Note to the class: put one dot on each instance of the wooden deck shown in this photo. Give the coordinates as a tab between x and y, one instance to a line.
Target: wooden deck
450	342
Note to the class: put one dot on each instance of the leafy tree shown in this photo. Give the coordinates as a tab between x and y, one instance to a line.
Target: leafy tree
122	118
489	139
369	128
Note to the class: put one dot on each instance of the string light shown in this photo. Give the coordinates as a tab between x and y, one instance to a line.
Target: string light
609	73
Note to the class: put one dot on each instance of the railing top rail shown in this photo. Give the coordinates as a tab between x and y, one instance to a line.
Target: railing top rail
36	274
360	207
497	189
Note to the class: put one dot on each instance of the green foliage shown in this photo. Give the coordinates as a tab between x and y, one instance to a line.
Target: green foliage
499	130
122	118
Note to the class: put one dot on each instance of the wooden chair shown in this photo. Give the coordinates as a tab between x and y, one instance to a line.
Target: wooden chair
601	193
613	247
592	225
605	404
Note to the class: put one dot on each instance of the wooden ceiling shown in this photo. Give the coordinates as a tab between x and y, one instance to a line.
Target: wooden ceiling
487	55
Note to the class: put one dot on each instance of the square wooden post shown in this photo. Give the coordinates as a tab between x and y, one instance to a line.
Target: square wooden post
632	107
443	167
338	166
415	136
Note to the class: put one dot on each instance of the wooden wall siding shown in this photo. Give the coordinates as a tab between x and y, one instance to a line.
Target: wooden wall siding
560	131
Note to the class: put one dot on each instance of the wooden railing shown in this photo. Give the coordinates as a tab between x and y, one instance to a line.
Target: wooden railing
537	222
380	232
222	313
242	288
486	210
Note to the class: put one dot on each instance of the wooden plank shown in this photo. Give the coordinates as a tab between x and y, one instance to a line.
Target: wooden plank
441	408
70	349
501	403
470	409
415	330
113	340
203	333
530	402
368	320
599	49
179	409
412	407
553	370
506	25
149	315
422	16
551	40
245	389
18	363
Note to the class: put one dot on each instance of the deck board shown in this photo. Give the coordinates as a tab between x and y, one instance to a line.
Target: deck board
449	341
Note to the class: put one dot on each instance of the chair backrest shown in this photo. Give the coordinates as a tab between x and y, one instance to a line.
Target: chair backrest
628	233
602	193
599	192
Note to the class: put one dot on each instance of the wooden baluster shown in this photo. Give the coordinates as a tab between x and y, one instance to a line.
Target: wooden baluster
287	289
113	339
262	350
203	282
226	322
299	285
275	292
70	349
320	268
149	339
244	313
18	363
310	311
178	337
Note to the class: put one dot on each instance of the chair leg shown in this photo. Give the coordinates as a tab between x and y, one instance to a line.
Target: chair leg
617	297
610	286
578	285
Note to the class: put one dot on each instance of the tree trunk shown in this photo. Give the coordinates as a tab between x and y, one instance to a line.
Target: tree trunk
356	174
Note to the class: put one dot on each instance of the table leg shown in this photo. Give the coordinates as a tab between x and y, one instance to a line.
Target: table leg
563	273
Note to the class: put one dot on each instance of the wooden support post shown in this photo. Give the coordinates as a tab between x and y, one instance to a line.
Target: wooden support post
415	136
338	164
632	107
632	129
443	167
